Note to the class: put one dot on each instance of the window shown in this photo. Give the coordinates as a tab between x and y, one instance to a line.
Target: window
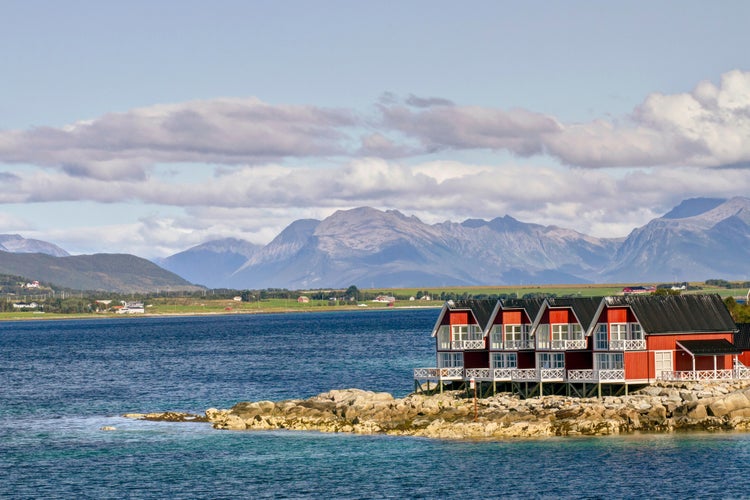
560	332
513	333
543	337
450	360
636	332
444	337
460	332
504	360
496	337
600	337
466	332
551	360
618	331
576	332
609	361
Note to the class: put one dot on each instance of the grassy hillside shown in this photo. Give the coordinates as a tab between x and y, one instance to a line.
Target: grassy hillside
109	272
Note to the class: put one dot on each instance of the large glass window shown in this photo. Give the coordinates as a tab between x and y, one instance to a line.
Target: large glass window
496	337
451	359
542	340
551	360
576	332
504	360
600	337
609	361
444	337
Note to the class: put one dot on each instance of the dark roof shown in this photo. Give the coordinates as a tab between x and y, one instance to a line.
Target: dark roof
742	336
531	306
717	347
584	307
482	308
677	313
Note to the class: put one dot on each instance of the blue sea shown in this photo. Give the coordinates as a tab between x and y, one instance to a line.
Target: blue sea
62	381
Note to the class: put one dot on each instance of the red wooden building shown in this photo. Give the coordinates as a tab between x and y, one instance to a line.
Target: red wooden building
574	344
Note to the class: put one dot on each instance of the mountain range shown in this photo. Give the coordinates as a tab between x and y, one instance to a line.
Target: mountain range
701	238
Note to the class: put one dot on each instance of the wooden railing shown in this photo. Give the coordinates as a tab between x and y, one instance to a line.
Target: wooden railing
462	345
452	373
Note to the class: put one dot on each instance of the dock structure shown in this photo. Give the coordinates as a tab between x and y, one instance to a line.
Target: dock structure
586	347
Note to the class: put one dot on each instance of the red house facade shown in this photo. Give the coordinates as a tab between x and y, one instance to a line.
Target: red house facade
575	342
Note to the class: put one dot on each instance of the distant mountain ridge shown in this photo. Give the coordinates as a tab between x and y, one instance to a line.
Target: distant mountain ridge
699	239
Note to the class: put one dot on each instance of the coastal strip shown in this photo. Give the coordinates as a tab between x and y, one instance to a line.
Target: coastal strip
451	415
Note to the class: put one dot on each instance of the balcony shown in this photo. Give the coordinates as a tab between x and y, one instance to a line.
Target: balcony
627	345
581	376
566	345
452	373
704	375
467	345
524	374
478	374
514	345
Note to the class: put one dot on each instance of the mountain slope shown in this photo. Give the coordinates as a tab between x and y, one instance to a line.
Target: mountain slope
211	263
107	272
372	248
689	244
16	244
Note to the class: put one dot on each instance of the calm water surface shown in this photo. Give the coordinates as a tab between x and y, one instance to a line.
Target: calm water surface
62	381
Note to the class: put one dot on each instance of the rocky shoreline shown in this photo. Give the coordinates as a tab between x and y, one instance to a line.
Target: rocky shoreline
663	407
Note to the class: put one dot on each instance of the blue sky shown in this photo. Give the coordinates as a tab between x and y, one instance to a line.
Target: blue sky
150	127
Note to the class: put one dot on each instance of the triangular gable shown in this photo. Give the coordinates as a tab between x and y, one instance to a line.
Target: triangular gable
584	309
481	311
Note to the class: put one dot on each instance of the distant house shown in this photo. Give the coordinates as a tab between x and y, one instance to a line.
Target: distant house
33	284
302	299
637	290
384	299
237	298
131	308
24	305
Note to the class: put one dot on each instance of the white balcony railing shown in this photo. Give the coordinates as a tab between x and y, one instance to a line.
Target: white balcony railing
552	373
462	345
698	375
564	345
502	373
627	345
524	374
477	373
581	376
452	373
611	375
518	344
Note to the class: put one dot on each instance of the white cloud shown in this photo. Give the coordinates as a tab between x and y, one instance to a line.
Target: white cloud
223	131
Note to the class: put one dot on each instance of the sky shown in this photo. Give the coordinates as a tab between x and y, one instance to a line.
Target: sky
149	127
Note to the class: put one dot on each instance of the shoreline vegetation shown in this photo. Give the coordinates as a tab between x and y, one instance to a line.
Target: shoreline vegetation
81	305
658	408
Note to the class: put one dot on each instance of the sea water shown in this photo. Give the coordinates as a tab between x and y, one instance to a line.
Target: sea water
61	382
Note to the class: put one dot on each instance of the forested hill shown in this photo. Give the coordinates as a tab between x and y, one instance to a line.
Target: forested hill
107	272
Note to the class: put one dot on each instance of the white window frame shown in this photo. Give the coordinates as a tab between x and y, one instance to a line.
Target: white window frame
503	360
551	360
601	338
609	361
444	337
450	360
618	331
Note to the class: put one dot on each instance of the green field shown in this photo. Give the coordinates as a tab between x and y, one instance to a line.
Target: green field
208	305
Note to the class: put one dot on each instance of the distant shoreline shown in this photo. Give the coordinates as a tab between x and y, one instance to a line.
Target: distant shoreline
30	316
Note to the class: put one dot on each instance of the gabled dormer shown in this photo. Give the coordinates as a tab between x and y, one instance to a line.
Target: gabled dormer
509	328
462	323
562	323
